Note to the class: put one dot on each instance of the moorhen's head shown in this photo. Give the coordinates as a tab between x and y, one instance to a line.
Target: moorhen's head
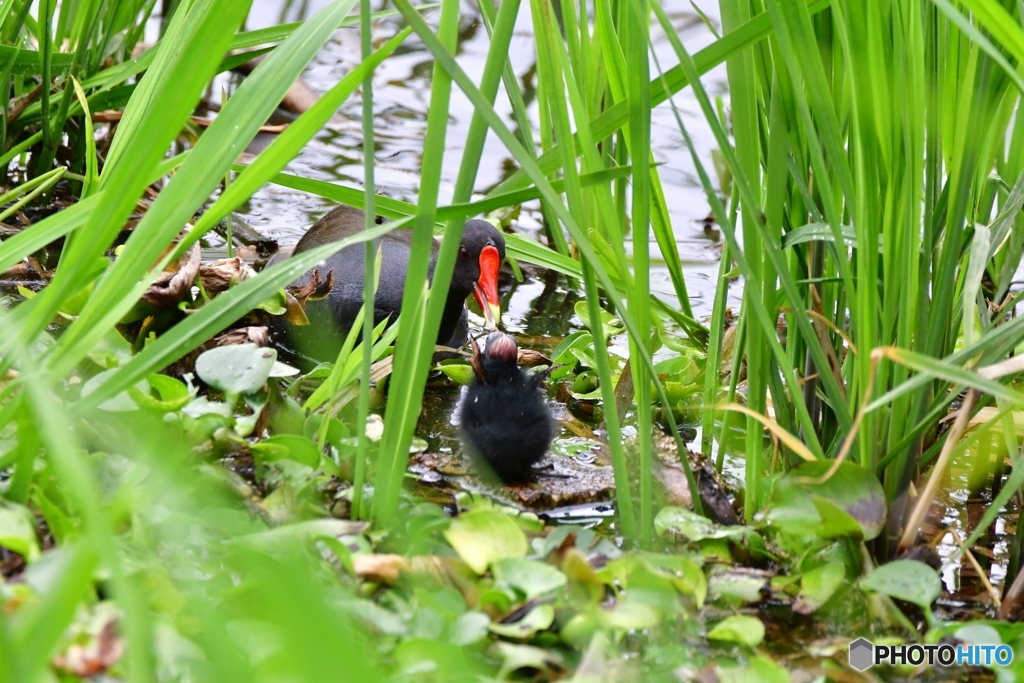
499	360
476	268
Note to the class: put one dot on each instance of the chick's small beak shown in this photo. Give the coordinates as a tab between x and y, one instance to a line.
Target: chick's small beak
486	288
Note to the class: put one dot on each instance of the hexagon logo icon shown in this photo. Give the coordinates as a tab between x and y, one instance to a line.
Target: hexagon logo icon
862	654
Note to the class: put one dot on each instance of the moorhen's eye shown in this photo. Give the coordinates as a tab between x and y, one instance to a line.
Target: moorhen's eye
463	254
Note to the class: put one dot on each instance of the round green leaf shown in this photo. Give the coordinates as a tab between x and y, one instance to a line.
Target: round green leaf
240	369
851	503
907	580
483	537
818	585
740	629
173	394
469	628
532	578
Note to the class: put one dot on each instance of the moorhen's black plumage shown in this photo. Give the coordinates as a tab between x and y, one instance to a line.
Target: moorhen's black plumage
505	423
476	272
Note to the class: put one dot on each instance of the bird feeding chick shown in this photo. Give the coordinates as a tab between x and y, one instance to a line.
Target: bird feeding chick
506	426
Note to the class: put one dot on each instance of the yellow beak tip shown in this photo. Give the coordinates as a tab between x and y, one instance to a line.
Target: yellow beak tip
495	314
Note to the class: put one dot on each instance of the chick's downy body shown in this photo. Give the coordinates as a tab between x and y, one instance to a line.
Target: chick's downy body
505	422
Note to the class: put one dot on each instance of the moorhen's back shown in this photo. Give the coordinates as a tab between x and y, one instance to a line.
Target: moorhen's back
331	318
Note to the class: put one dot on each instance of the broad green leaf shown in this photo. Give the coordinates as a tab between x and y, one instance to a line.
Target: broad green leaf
171	394
236	369
850	502
818	585
629	616
458	371
288	447
907	580
739	629
484	537
18	532
693	527
532	578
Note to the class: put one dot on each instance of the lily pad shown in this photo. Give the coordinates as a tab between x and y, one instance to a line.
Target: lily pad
978	634
280	369
907	580
851	503
483	537
739	629
240	369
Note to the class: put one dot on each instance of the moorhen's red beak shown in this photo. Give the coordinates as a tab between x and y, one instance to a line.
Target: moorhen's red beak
486	288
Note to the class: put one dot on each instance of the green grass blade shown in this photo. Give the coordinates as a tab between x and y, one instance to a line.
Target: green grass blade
211	158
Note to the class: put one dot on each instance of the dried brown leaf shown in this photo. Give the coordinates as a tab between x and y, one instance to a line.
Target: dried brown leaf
175	283
223	273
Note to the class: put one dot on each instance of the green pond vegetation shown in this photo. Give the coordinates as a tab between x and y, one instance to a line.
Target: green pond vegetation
179	503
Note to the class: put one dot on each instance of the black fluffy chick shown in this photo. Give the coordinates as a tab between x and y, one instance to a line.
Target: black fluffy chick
505	423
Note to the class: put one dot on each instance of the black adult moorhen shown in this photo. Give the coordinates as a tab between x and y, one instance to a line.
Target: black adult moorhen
476	271
505	423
